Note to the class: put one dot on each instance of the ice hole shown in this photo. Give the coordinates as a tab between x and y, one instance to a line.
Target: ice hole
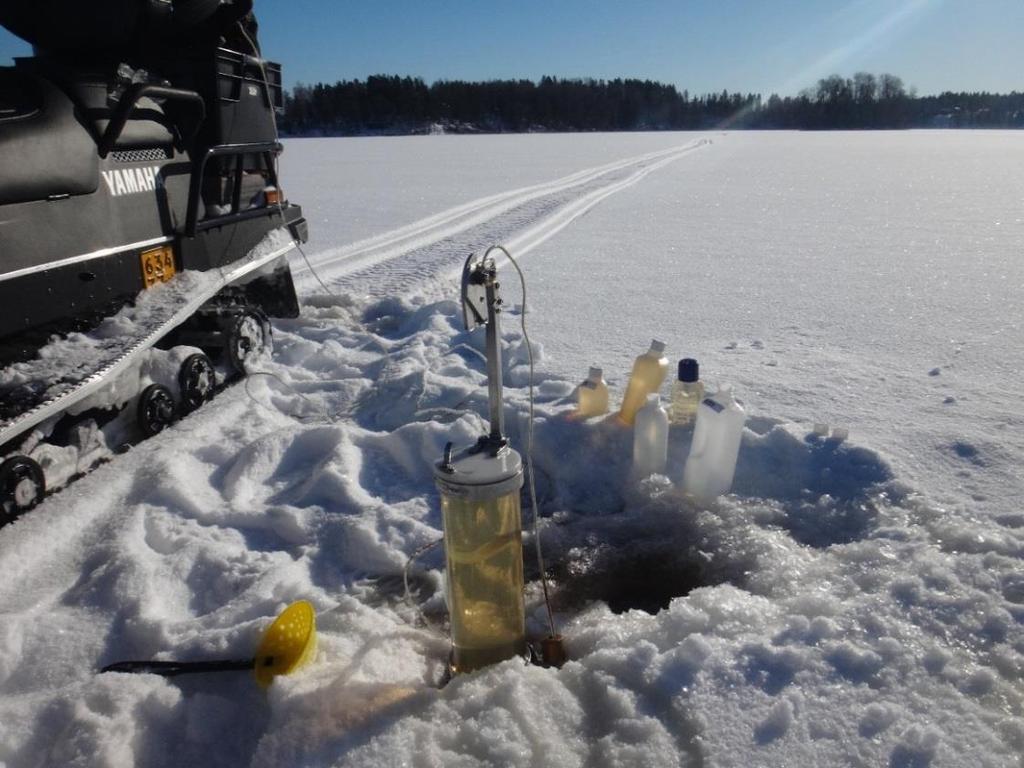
644	576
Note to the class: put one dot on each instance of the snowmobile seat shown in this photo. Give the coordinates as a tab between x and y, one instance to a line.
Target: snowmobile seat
44	150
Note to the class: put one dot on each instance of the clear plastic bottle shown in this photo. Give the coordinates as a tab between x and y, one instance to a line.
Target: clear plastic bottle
687	392
649	371
650	438
592	395
716	444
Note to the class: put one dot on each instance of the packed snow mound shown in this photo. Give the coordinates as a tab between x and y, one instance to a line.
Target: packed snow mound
823	614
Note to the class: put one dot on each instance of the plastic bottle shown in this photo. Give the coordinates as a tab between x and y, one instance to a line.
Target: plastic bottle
592	395
687	393
716	444
649	371
650	438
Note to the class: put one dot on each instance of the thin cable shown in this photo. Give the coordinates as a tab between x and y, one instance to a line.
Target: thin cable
529	353
529	444
468	348
405	580
270	101
298	246
305	258
258	55
323	411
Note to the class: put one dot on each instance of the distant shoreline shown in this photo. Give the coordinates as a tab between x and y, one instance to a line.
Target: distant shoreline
389	105
384	133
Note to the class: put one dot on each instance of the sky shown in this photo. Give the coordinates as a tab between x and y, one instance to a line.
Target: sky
762	46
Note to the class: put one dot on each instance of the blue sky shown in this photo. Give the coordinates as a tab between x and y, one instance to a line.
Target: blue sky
703	45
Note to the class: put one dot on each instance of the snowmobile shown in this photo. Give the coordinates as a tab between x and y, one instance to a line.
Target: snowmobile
143	231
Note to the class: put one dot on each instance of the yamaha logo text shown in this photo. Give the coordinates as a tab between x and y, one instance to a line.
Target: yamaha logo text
128	181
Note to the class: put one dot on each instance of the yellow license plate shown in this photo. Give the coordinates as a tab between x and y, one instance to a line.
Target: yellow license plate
157	265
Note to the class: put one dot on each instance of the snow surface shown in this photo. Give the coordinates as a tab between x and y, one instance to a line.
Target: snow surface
857	601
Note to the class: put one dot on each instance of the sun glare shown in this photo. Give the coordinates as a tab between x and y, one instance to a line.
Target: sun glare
878	29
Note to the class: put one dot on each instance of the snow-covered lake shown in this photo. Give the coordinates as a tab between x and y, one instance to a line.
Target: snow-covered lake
856	602
869	280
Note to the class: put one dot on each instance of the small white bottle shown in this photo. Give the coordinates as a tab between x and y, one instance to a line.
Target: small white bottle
592	395
711	465
687	392
650	438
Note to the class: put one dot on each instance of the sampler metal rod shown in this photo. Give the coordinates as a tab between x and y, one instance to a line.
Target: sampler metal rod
494	362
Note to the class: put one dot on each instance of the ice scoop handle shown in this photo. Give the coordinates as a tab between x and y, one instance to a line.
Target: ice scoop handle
171	668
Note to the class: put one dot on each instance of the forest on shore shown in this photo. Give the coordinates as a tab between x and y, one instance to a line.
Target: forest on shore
389	104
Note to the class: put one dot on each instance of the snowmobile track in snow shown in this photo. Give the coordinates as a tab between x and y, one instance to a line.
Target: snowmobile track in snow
410	259
81	364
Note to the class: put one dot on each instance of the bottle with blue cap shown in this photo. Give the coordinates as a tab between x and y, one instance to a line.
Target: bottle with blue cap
687	392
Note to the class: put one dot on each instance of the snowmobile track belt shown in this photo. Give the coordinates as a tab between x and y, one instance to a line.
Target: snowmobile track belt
39	413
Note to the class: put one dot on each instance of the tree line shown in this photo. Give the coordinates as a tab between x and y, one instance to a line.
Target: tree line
392	104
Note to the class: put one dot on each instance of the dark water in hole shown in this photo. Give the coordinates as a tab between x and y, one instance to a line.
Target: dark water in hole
626	578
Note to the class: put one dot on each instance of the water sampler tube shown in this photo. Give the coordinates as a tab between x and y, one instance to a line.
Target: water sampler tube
480	508
483	555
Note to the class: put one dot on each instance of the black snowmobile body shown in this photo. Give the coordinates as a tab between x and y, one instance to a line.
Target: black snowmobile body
137	144
105	165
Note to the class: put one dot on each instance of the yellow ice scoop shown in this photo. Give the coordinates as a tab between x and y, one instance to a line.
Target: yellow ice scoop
288	644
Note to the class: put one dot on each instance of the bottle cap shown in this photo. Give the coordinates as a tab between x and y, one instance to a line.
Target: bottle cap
689	370
657	346
654	397
595	374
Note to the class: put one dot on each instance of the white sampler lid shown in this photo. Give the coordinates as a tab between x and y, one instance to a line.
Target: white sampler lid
477	474
657	346
595	374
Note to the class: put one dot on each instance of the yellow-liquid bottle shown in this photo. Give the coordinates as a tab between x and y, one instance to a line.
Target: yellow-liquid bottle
649	371
687	392
483	557
592	395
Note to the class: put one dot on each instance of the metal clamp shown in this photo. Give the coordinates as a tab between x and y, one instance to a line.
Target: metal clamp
480	287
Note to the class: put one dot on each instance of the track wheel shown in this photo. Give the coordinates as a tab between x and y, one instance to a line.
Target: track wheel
156	409
22	485
248	339
196	381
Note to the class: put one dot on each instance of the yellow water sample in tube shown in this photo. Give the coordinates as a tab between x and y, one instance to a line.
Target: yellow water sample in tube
484	558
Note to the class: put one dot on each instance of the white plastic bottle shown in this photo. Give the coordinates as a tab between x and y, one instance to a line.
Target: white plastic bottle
650	438
649	371
687	392
716	444
592	395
